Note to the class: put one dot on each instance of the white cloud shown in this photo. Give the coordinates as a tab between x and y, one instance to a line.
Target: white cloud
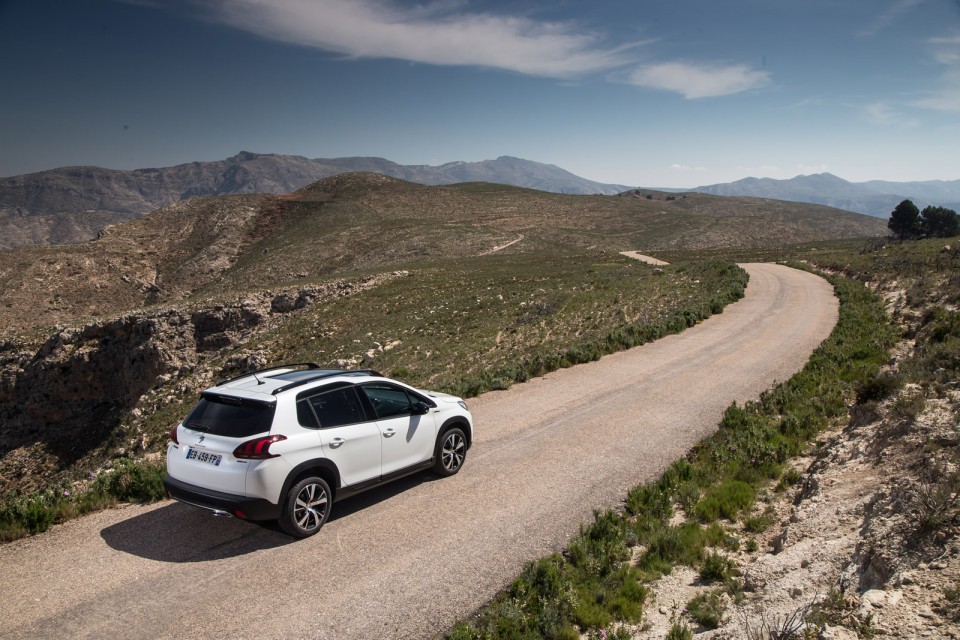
808	102
699	81
686	168
435	33
444	32
883	114
888	17
946	51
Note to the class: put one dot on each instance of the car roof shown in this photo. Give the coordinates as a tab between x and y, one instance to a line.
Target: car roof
264	385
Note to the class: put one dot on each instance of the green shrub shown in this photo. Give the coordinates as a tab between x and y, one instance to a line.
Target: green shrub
707	609
667	546
909	406
601	546
679	631
880	386
652	500
789	478
725	500
715	568
760	522
132	481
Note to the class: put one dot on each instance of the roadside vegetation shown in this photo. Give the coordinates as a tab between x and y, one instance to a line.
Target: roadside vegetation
720	499
685	518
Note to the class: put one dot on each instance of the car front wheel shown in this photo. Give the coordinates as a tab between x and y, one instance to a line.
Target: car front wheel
451	452
306	508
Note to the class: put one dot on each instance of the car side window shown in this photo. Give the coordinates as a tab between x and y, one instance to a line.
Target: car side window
305	415
336	407
388	401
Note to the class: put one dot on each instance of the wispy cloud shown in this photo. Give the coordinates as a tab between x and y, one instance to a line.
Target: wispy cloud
883	114
445	32
808	102
687	168
888	17
946	51
699	81
439	33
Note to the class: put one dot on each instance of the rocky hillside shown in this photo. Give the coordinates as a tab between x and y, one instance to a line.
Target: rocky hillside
72	204
209	246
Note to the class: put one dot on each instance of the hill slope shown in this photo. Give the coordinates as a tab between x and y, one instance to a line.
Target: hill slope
362	222
875	198
71	204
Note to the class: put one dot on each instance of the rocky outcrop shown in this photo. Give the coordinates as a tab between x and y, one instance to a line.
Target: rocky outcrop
73	391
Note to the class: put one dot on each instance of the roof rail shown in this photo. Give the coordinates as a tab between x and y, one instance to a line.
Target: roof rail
326	374
308	365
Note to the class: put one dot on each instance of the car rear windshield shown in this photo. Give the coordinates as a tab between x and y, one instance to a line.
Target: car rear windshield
230	417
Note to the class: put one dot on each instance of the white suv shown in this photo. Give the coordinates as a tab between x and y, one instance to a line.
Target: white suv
284	443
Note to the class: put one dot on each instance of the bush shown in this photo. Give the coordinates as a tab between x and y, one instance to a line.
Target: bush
679	631
601	546
715	568
909	406
760	522
880	386
707	609
128	481
131	481
726	500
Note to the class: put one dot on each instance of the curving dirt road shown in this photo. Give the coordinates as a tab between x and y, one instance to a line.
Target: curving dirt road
408	560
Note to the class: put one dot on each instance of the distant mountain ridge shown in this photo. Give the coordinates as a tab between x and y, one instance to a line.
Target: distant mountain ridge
875	198
72	204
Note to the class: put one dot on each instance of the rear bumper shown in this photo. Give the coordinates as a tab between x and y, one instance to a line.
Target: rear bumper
221	503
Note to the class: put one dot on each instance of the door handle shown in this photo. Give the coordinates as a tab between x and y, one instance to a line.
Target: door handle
389	433
336	442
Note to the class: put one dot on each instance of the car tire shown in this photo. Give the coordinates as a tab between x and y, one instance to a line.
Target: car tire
307	507
451	452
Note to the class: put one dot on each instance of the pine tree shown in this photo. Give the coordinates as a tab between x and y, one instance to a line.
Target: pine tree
905	221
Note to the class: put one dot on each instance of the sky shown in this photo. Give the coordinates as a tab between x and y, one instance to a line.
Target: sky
668	93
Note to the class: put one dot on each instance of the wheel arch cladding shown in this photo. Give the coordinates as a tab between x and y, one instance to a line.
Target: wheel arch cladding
320	467
457	422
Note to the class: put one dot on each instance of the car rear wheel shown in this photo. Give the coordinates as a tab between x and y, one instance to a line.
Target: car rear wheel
451	452
306	508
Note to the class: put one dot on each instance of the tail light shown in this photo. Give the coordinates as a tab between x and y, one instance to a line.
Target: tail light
173	434
258	449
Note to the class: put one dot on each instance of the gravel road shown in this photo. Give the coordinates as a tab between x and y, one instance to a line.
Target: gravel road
408	560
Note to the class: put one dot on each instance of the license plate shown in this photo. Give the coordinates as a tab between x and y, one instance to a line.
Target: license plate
203	456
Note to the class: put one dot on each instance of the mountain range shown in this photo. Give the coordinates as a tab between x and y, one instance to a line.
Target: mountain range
72	204
876	197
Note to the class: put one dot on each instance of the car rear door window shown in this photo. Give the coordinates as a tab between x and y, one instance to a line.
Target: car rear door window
336	407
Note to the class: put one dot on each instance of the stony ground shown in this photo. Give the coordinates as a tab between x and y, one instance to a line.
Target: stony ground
865	539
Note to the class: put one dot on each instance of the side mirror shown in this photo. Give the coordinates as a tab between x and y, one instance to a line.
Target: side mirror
420	408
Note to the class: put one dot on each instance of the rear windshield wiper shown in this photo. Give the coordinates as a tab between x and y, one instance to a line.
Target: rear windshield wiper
196	426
